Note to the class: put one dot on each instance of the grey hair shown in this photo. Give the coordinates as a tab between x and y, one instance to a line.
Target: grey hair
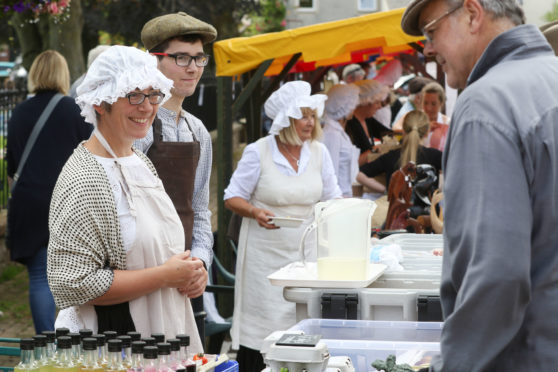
95	52
510	9
370	90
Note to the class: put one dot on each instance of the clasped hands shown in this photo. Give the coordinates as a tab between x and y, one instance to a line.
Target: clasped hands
187	274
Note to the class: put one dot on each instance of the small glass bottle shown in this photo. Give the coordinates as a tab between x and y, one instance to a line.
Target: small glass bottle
136	336
115	356
175	361
61	332
149	341
64	362
76	347
163	349
137	356
126	350
184	343
89	360
159	337
40	353
51	347
150	359
102	352
27	361
84	333
109	335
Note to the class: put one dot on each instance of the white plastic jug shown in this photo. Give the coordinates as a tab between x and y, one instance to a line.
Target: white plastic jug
343	228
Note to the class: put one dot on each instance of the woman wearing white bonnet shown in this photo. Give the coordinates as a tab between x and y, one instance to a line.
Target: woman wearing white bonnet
283	174
116	257
342	99
341	102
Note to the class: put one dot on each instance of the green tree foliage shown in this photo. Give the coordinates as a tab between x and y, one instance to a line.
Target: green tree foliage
78	30
270	17
552	15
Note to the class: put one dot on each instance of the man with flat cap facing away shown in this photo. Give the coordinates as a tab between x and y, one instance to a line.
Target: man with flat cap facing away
499	286
178	143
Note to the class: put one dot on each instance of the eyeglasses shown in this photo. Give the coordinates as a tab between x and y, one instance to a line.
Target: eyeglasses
184	60
137	98
429	34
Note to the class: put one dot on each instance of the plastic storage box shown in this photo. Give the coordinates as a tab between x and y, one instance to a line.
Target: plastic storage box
364	341
228	366
393	304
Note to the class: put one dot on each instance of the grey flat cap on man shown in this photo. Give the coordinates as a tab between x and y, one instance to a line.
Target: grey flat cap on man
167	26
410	19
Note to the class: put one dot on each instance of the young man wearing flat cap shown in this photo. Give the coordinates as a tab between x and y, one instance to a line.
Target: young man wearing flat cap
178	143
499	287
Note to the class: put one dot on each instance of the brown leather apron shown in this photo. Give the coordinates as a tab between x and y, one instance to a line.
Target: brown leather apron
176	164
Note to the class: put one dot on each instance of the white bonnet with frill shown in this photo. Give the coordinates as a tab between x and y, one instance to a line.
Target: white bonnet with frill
287	101
118	71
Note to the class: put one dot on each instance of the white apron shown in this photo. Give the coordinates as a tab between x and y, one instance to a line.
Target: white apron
159	235
259	307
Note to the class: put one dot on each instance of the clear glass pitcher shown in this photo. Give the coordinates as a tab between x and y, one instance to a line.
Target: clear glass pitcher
343	228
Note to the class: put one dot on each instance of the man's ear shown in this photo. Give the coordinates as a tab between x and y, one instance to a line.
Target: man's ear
475	15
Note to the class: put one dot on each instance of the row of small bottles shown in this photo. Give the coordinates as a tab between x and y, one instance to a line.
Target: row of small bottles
106	352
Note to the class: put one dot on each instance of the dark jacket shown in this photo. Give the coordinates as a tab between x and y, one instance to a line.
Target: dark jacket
30	201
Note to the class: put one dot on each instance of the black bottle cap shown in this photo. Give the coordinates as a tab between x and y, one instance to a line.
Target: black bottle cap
76	338
164	348
181	370
101	339
184	340
51	336
40	340
85	332
110	335
126	340
64	342
174	344
159	337
89	343
137	347
191	368
150	352
136	336
62	332
27	344
150	341
115	345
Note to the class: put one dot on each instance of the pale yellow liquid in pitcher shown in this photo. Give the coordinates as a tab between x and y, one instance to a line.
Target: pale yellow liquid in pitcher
342	268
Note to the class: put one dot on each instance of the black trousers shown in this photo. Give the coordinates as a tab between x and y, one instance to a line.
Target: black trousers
249	360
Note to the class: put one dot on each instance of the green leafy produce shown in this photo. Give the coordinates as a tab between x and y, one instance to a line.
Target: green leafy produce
389	365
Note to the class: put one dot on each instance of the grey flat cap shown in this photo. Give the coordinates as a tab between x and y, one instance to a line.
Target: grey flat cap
550	31
410	19
167	26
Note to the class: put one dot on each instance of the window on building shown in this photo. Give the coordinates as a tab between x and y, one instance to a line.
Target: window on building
306	4
367	5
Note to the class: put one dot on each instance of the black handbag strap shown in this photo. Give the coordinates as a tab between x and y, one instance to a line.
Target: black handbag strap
34	134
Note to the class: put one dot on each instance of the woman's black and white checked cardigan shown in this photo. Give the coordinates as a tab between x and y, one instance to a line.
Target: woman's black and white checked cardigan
85	241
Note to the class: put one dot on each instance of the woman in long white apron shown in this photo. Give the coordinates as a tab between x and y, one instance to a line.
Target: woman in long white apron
116	258
283	175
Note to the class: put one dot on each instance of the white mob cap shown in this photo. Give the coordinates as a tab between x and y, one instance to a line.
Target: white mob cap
118	71
287	101
342	99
